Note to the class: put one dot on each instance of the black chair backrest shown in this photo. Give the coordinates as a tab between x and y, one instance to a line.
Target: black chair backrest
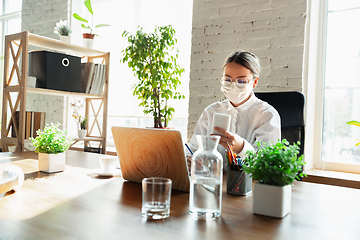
290	106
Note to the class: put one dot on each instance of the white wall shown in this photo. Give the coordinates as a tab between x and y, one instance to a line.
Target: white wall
271	29
40	17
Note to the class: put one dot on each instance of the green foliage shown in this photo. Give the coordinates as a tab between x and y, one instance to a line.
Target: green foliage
355	123
150	56
83	123
87	4
62	29
275	164
51	140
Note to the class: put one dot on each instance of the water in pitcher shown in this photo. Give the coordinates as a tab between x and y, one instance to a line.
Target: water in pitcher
206	179
205	198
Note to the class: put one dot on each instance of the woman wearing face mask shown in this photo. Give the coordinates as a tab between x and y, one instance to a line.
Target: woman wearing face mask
251	118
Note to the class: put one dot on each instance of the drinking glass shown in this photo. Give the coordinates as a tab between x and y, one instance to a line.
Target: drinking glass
156	195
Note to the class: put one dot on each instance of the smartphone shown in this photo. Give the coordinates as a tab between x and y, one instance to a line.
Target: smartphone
220	120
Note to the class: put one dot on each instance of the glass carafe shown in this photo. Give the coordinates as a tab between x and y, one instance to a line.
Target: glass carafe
206	179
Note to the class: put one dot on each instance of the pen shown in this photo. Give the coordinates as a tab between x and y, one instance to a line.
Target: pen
232	159
189	149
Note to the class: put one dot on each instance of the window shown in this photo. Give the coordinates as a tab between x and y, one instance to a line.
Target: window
337	87
123	107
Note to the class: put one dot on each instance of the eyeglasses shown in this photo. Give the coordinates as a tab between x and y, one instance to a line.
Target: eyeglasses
240	82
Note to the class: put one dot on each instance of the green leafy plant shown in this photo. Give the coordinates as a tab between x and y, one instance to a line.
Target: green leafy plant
62	28
51	140
275	164
88	25
150	57
83	123
355	123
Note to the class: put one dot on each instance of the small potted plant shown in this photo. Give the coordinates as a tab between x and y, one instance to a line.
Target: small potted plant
88	38
77	106
51	144
275	167
83	124
63	30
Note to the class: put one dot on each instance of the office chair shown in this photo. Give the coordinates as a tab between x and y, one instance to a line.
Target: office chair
290	106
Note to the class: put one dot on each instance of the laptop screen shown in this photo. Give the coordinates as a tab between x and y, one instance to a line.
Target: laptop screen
151	152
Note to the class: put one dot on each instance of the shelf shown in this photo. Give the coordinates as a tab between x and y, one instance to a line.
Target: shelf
61	93
16	64
88	139
40	41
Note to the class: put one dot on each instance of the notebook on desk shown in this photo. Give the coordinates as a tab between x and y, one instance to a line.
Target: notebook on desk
151	153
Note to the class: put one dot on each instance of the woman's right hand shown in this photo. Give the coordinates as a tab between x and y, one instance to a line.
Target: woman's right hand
199	163
188	161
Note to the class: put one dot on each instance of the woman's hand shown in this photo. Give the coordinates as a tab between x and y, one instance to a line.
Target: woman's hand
198	166
230	138
188	161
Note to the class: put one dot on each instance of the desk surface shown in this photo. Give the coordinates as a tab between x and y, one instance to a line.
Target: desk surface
112	210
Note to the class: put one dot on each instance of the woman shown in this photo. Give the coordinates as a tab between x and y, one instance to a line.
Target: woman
251	119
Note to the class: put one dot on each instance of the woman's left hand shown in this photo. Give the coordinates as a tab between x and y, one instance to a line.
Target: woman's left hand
230	138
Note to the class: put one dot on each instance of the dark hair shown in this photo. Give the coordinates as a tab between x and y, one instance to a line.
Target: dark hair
246	59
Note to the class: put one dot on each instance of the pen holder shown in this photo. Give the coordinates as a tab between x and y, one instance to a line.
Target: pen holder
238	182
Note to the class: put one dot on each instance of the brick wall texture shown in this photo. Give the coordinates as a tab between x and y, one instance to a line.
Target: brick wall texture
271	29
39	17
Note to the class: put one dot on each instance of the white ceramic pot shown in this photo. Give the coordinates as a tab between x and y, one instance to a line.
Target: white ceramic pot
82	133
88	42
51	162
65	39
273	201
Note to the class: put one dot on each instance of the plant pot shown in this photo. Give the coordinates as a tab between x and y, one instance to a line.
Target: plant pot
82	133
65	39
273	201
88	40
51	162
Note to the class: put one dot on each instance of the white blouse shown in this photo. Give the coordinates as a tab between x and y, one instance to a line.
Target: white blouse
253	120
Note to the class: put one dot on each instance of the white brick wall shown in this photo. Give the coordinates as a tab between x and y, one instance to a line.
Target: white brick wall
271	29
40	17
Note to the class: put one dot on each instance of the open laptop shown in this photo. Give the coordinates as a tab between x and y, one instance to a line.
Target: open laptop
150	152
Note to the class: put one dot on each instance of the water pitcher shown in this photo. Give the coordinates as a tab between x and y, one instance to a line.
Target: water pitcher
206	179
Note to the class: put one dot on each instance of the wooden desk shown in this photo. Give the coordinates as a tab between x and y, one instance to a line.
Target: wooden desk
112	210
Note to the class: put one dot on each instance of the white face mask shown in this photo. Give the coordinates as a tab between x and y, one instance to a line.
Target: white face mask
236	94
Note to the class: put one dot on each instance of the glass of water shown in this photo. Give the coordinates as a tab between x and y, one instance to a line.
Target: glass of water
156	195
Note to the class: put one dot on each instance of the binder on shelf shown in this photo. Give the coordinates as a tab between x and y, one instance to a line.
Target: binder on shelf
29	124
87	72
39	122
17	119
93	80
101	81
98	79
33	122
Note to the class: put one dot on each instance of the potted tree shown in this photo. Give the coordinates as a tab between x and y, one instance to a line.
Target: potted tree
88	38
51	144
152	57
275	166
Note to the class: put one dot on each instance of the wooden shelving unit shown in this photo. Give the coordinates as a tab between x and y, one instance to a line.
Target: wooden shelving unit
16	50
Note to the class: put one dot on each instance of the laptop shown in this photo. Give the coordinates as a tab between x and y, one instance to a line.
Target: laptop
151	152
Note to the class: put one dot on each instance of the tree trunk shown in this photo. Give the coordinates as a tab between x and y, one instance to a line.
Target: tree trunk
157	118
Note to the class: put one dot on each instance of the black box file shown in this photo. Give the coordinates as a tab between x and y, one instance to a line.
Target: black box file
55	71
